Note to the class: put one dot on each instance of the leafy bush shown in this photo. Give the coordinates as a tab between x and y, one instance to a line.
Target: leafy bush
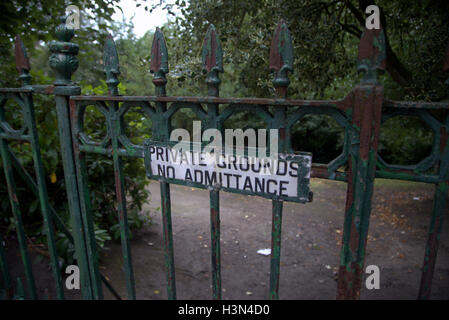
100	178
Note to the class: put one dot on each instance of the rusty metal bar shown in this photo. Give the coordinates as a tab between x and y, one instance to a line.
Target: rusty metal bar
168	241
440	205
21	237
111	68
64	63
43	199
436	224
281	62
159	66
85	206
214	196
212	60
23	68
276	239
366	116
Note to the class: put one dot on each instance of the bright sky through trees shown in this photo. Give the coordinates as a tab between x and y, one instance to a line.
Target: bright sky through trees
143	20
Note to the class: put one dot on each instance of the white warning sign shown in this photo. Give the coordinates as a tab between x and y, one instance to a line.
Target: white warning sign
287	177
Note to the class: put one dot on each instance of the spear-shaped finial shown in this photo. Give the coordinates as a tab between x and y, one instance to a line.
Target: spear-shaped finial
159	62
372	55
22	62
212	58
111	65
63	58
281	58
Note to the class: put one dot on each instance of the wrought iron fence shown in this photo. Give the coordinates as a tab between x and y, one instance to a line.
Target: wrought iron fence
360	114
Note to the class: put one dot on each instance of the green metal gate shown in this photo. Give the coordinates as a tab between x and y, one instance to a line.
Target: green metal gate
360	114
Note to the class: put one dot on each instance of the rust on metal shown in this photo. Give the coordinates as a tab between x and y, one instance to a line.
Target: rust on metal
111	65
372	55
212	56
159	54
281	59
118	191
22	62
209	99
281	49
369	48
430	259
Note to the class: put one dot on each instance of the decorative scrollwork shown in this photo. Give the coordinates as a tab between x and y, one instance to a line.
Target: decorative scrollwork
63	58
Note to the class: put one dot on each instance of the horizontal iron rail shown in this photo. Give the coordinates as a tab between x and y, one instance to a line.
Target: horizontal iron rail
49	89
262	101
318	170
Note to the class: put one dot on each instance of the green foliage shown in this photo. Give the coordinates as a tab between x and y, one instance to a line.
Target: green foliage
325	36
412	143
100	173
320	133
100	169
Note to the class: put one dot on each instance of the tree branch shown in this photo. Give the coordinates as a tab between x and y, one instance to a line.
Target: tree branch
350	28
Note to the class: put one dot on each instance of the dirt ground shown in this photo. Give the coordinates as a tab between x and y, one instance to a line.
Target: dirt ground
310	246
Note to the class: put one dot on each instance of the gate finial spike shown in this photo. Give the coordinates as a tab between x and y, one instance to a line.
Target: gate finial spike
63	58
159	61
111	65
212	58
22	62
281	58
372	54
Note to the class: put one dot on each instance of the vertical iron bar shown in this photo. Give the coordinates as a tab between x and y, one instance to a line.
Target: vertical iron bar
440	204
362	166
23	67
366	103
168	240
275	264
159	66
436	224
212	59
32	185
85	205
121	201
17	217
5	270
277	206
214	197
43	196
20	292
111	68
68	162
281	62
63	61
